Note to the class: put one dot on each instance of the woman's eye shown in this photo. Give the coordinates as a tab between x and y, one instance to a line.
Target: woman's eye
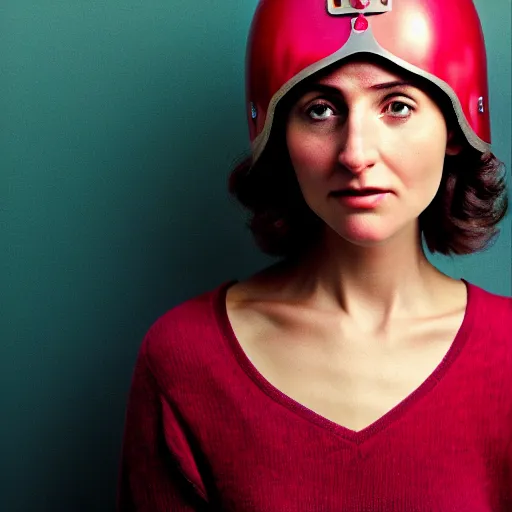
320	111
399	109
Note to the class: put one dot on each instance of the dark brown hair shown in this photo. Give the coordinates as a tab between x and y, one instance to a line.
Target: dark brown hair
462	218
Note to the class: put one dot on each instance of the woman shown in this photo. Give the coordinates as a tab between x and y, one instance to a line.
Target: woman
352	375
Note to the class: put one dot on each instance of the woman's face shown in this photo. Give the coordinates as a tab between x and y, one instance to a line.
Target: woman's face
364	127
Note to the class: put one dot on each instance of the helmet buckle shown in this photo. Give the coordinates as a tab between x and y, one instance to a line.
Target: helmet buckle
344	7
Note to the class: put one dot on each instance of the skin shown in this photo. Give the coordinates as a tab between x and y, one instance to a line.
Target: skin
357	136
361	320
370	269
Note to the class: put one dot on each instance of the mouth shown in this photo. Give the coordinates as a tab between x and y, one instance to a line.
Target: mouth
359	192
361	199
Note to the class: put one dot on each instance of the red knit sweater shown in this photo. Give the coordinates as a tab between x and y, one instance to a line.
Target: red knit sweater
206	431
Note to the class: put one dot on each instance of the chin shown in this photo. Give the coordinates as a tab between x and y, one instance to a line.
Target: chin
366	234
366	242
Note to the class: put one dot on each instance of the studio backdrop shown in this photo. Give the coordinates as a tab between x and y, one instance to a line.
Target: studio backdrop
120	121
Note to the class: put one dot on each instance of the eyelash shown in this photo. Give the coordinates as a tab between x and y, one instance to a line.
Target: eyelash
328	105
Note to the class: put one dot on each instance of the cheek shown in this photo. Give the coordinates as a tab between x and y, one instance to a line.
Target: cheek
421	163
311	157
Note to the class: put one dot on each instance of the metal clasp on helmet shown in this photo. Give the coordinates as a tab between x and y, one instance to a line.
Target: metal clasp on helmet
341	7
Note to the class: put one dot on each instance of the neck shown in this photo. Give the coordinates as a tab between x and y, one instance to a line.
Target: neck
370	284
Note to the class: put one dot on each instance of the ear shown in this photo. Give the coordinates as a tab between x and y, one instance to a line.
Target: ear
453	145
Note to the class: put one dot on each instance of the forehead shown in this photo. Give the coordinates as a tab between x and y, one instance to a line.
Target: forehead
359	74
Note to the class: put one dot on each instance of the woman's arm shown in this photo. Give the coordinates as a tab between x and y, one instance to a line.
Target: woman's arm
150	479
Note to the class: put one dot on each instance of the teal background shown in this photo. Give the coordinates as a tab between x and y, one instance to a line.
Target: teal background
120	121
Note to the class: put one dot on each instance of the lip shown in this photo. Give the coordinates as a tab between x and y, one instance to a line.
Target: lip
362	198
361	190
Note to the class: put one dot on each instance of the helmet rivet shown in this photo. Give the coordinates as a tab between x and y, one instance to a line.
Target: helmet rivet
359	4
481	107
254	112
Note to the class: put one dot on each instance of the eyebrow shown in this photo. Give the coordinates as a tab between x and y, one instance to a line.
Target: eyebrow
390	85
319	87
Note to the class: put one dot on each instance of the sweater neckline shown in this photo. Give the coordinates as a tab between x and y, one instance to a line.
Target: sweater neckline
390	417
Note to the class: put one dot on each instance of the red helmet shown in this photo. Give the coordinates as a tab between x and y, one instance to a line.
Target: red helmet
439	40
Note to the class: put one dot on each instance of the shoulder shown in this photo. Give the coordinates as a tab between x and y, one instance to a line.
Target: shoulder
487	299
491	309
180	334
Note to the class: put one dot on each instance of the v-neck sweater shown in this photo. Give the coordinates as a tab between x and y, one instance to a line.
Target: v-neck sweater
205	431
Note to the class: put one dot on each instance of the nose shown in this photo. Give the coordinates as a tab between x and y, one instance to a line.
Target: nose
358	143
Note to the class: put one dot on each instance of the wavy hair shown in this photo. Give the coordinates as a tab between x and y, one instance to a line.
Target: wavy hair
462	218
